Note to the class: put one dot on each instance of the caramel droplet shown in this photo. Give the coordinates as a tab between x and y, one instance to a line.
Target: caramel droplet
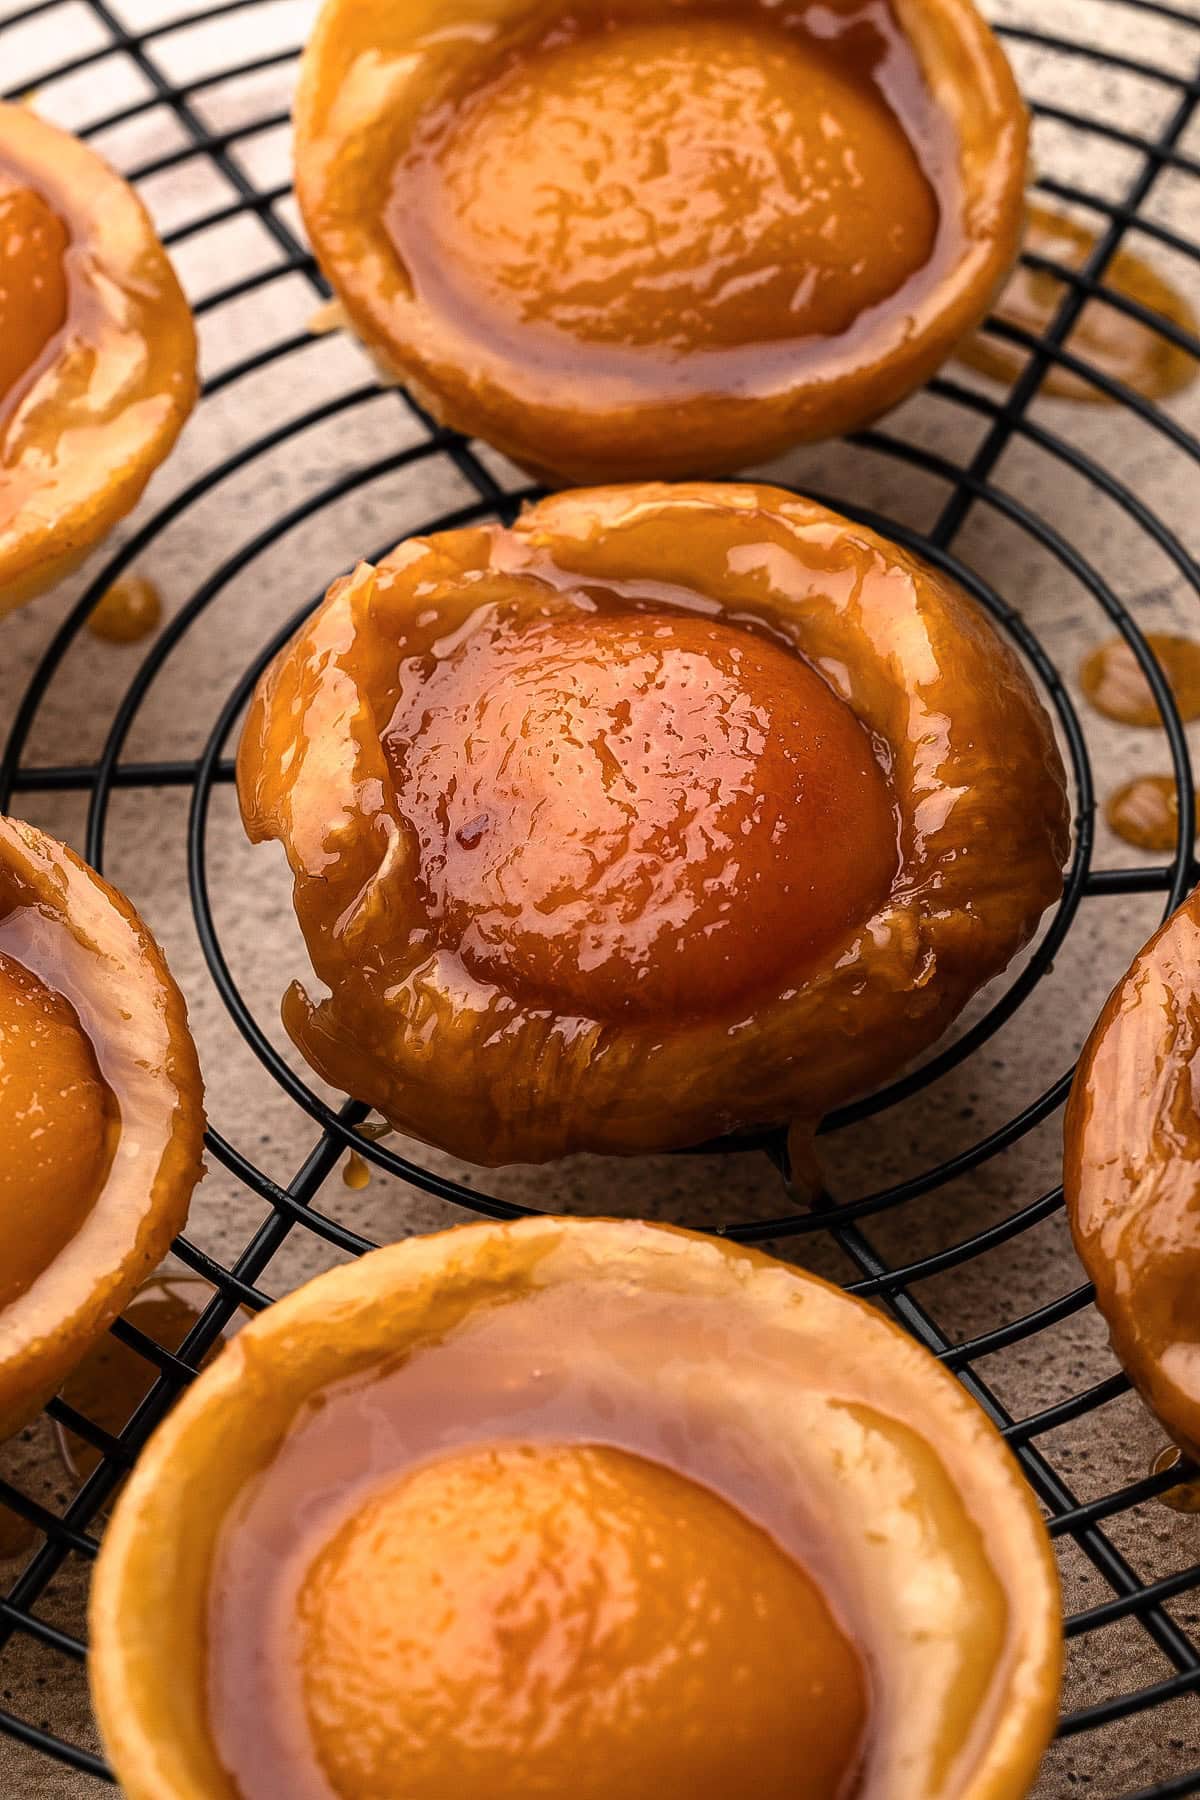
355	1172
131	609
1111	341
1186	1497
1114	683
1145	812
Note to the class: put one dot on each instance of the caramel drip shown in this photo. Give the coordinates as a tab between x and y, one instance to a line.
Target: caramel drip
1111	341
355	1172
373	1130
131	609
1113	681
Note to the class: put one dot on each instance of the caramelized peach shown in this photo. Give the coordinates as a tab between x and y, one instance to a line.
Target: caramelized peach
667	811
655	814
33	283
686	187
793	1546
58	1125
621	246
1130	1176
97	353
101	1118
566	1618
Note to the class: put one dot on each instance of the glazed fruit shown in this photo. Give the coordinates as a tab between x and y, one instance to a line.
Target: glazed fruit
97	353
620	241
538	1585
582	1568
101	1118
1132	1142
666	812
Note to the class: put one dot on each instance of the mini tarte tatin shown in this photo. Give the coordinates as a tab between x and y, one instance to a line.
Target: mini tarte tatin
449	1523
623	241
667	811
1132	1171
97	353
101	1113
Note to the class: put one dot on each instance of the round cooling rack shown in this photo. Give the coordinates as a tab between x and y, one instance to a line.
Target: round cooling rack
1069	523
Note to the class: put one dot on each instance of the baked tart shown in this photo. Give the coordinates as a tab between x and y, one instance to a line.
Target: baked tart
97	353
1132	1171
666	812
101	1113
447	1521
621	241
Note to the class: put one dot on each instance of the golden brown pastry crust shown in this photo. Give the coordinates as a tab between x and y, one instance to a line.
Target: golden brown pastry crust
928	1536
977	779
116	383
1132	1171
84	940
369	72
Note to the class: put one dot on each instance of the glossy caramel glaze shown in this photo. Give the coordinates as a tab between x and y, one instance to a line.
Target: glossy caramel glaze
1132	1171
130	609
739	199
619	246
603	824
656	815
1113	681
100	1113
576	1620
33	283
479	1468
1145	812
113	1379
1112	341
97	352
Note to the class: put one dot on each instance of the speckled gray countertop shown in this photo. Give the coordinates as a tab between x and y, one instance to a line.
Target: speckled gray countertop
257	587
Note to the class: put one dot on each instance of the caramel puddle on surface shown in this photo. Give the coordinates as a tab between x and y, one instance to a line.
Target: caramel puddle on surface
131	609
114	1379
1145	812
356	1173
1114	683
1186	1497
1111	341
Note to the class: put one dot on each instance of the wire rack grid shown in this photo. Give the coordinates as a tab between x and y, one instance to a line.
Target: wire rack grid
1163	1668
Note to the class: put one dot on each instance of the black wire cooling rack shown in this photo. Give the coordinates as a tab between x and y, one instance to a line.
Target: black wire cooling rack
971	487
